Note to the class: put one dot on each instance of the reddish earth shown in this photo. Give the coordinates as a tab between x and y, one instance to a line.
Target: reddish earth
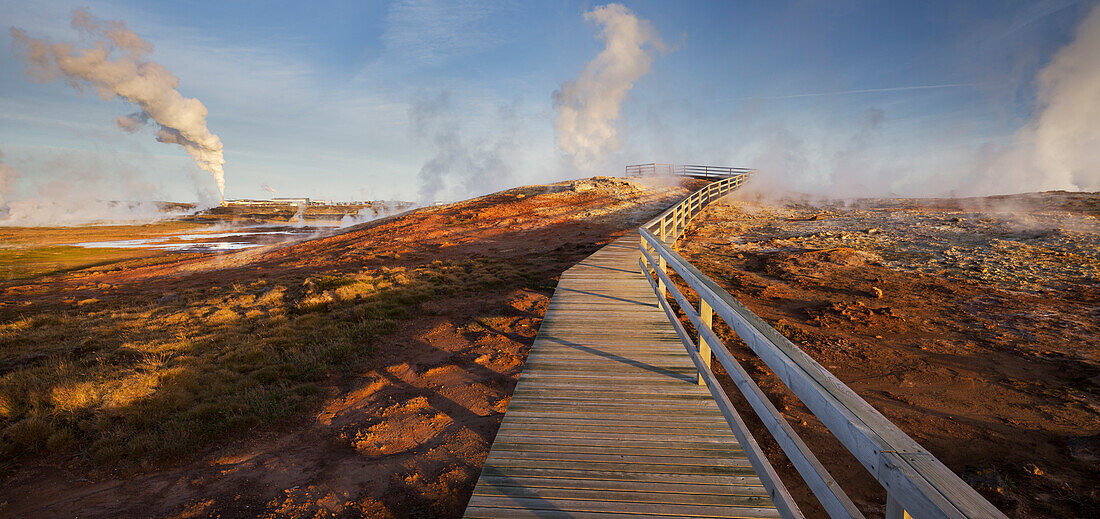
971	324
404	438
976	338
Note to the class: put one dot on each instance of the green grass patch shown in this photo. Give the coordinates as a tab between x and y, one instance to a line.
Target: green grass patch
38	261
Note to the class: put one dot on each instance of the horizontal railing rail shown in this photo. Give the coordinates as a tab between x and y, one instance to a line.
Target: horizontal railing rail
684	170
918	485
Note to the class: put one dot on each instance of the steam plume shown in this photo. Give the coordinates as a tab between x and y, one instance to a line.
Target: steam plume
1058	148
1067	133
464	163
116	65
8	176
589	106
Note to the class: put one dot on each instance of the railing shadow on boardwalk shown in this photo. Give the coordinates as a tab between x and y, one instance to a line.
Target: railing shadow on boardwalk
605	296
619	358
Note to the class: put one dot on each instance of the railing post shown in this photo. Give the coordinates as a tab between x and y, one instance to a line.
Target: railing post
663	266
706	314
675	222
894	509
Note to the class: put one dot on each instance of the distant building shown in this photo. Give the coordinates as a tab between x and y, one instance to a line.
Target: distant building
247	202
291	201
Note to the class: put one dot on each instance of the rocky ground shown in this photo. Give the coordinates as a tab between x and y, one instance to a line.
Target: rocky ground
972	324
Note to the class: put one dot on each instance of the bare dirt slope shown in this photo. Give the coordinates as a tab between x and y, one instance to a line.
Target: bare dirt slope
972	324
362	374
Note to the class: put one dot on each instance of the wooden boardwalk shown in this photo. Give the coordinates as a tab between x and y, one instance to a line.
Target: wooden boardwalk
607	419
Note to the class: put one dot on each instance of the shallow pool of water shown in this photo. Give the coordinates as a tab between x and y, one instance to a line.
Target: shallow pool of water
205	242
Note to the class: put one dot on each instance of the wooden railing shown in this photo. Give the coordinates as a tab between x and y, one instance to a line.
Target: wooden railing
918	485
684	170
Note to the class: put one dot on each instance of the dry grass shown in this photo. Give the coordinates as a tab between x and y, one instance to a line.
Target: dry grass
137	381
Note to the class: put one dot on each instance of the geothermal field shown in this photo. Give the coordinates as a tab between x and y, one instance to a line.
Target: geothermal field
366	372
405	259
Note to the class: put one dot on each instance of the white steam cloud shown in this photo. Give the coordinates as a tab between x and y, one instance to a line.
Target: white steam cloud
83	190
8	176
116	66
1058	148
464	162
589	106
1066	134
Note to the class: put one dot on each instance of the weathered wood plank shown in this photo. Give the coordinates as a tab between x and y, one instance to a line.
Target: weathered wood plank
643	451
595	476
621	495
669	444
611	466
642	486
674	510
548	434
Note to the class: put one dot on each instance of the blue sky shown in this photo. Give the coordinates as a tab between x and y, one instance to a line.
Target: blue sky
316	98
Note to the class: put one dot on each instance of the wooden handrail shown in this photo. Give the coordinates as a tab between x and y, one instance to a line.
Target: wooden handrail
918	484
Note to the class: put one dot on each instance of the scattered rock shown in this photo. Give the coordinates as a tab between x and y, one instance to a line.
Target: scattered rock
609	184
987	479
876	292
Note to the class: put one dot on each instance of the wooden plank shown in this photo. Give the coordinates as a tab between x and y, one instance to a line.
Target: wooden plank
688	436
669	443
646	451
570	392
572	430
579	398
678	461
611	466
586	431
670	488
479	512
673	510
621	495
594	476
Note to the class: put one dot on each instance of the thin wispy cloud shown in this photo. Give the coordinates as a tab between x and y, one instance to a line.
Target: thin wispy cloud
429	32
855	92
